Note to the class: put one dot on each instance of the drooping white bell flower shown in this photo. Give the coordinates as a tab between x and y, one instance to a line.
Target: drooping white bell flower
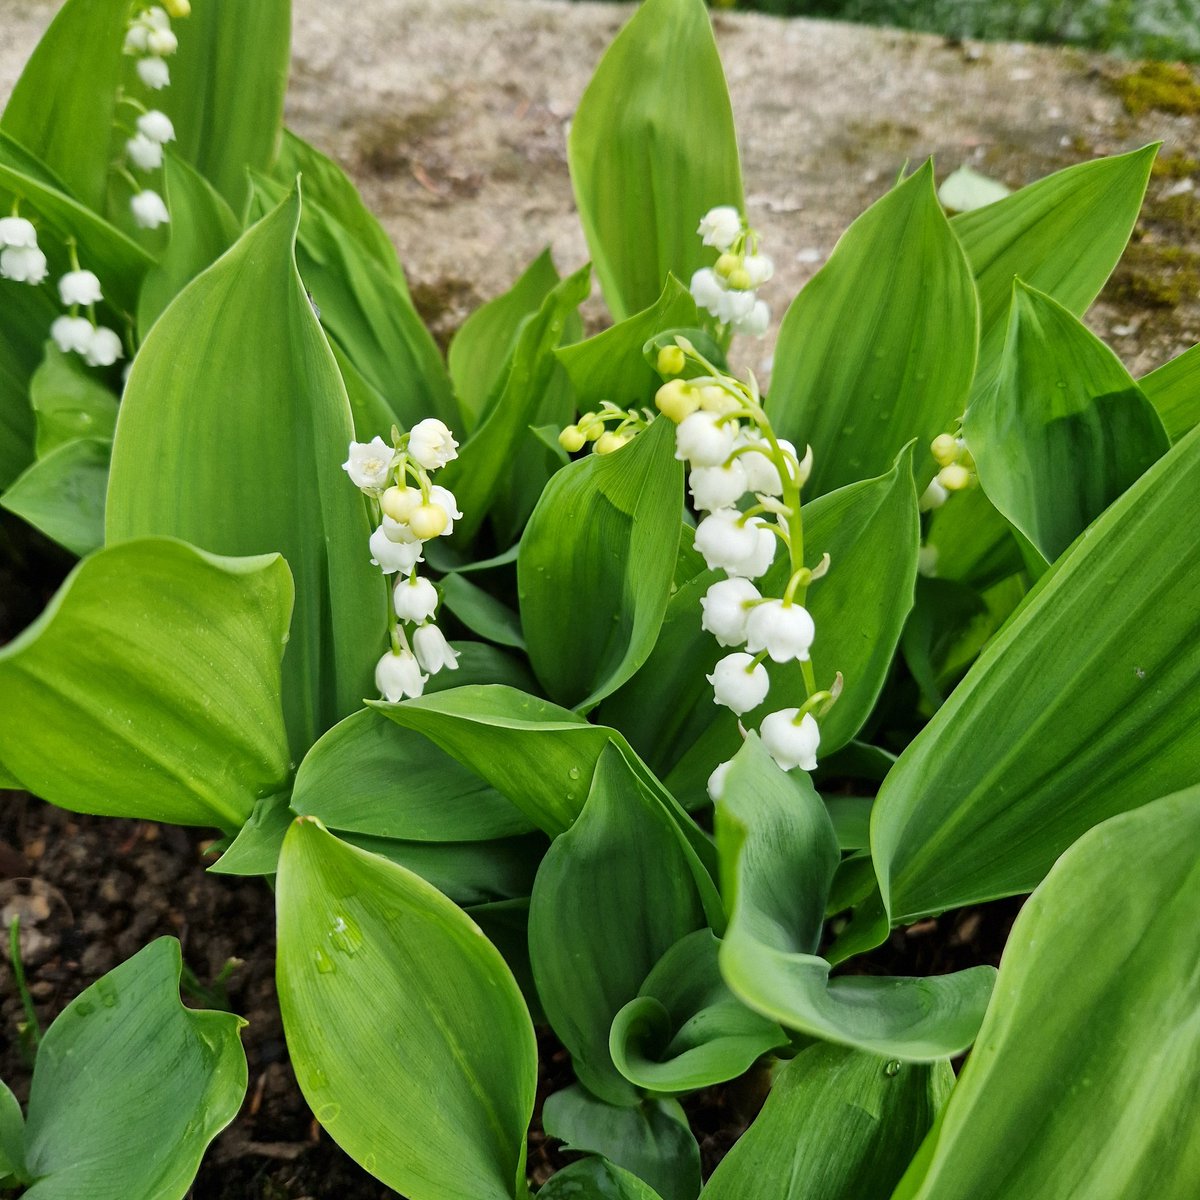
156	126
739	683
791	744
399	675
370	463
415	598
156	17
716	781
431	444
137	39
761	473
398	504
708	291
759	268
398	531
433	651
756	322
784	631
23	264
17	231
736	307
738	548
149	211
704	439
717	487
103	348
145	153
720	226
154	72
725	608
72	335
444	499
79	287
934	496
390	556
162	42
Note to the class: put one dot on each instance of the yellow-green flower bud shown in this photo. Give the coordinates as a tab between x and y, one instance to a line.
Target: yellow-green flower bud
606	443
740	280
399	502
571	439
944	449
590	426
677	400
177	8
727	264
671	360
954	478
716	399
428	520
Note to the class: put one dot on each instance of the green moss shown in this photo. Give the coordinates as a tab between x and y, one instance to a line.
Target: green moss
1154	275
1159	86
1174	165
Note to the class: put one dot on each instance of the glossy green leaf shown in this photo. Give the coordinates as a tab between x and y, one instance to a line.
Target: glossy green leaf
778	854
605	533
255	849
150	686
1062	235
652	1140
1174	390
368	314
130	1087
12	1137
202	228
838	1125
481	612
611	366
228	80
626	855
236	401
370	775
1084	1077
432	1090
1064	431
596	1179
1083	706
485	461
62	494
27	316
686	1030
879	346
652	149
69	401
972	542
482	347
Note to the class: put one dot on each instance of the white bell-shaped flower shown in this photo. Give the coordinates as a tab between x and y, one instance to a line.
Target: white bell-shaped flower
444	499
154	72
156	126
415	598
762	475
149	210
934	496
720	227
156	17
137	39
103	348
785	631
708	291
756	322
431	444
704	439
399	675
72	335
398	531
23	264
736	307
717	487
79	287
144	153
716	781
433	651
17	231
759	268
725	607
789	743
739	548
162	42
370	463
390	556
739	683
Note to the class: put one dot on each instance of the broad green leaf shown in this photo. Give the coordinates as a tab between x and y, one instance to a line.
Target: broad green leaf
652	149
228	79
255	849
1084	705
482	347
1174	390
1064	431
611	366
64	106
480	664
12	1137
626	855
369	775
432	1090
1084	1077
202	228
483	465
595	567
879	346
130	1087
481	612
62	494
972	542
838	1125
69	402
686	1030
1062	235
236	402
370	316
150	686
595	1179
652	1141
778	854
28	313
370	411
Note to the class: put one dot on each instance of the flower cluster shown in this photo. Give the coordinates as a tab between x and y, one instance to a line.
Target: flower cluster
21	260
956	470
151	41
411	510
728	290
592	427
732	452
72	333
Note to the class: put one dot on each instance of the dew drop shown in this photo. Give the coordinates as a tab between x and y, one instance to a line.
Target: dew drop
325	964
84	1008
107	993
892	1069
574	772
320	1080
328	1112
345	935
369	1162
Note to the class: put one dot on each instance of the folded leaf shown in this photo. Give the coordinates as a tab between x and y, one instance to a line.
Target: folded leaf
62	494
69	401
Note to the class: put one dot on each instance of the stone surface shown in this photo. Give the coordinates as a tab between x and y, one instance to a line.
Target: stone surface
452	115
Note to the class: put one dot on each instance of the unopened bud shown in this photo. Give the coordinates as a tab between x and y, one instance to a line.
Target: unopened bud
727	264
740	280
571	439
590	426
944	449
177	8
400	502
606	443
954	478
671	361
715	399
428	520
677	400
